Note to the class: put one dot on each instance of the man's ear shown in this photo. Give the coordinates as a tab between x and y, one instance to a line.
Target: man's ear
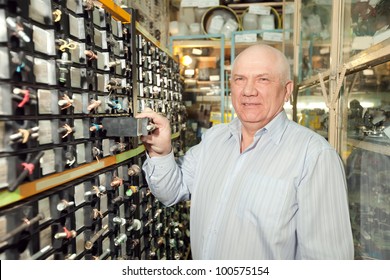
289	87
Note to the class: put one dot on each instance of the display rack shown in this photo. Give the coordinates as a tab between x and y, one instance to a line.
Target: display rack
72	186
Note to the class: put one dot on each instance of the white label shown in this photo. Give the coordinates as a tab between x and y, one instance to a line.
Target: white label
45	98
79	191
214	78
44	208
102	179
2	133
106	244
246	38
45	136
3	27
3	226
43	40
45	237
273	36
79	133
80	243
80	218
199	3
106	147
77	103
80	149
103	204
259	10
4	73
48	162
207	3
187	3
1	112
44	71
327	2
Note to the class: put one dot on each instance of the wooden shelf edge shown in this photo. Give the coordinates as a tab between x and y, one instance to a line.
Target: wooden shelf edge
370	57
372	147
51	181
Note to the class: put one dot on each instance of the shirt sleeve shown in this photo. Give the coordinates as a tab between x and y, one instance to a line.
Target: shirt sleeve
170	180
323	223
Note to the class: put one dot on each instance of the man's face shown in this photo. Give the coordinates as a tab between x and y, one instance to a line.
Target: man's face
258	94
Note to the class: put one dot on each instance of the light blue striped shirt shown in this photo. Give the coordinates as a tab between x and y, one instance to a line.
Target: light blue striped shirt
284	197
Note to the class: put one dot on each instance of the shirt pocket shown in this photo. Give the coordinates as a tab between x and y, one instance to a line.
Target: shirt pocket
262	200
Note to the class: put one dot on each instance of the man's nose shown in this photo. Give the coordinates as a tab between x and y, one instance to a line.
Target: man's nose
249	89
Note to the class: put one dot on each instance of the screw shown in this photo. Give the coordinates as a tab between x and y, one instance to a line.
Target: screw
120	239
88	244
63	204
134	170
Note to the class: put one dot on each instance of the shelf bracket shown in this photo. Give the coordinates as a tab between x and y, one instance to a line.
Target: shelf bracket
117	12
332	98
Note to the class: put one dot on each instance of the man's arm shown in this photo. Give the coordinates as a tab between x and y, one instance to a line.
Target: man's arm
323	224
165	179
169	182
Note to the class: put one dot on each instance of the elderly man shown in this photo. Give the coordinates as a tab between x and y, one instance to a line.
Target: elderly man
261	186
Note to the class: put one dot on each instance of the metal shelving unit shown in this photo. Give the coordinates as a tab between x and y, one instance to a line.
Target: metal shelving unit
347	102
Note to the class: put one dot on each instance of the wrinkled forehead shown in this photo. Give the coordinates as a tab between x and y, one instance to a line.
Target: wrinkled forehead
263	58
263	61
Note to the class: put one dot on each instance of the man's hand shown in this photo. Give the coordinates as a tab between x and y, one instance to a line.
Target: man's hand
158	142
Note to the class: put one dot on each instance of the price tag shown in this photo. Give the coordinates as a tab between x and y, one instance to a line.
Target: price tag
45	101
3	176
259	10
273	36
199	3
207	3
246	38
188	3
48	162
45	135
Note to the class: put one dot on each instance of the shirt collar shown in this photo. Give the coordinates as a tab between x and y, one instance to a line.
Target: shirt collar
275	128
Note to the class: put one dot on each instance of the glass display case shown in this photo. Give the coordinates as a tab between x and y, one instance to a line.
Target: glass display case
315	30
343	93
365	149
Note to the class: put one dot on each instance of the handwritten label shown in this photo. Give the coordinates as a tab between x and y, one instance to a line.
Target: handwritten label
273	36
246	38
199	3
259	10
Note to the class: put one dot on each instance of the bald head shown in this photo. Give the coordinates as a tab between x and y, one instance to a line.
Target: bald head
262	51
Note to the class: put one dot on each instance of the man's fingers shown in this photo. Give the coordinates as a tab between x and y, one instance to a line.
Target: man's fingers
147	113
148	109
